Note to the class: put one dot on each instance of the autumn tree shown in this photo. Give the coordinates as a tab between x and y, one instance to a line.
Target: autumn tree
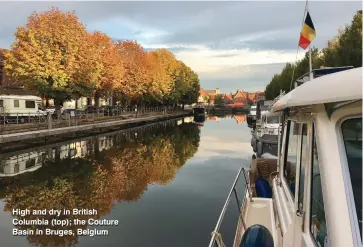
108	63
173	68
50	56
192	93
159	81
184	84
136	77
56	57
187	86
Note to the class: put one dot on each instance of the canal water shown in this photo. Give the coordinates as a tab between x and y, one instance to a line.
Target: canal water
164	183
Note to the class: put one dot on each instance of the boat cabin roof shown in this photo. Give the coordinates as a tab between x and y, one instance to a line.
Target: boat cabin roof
337	87
22	97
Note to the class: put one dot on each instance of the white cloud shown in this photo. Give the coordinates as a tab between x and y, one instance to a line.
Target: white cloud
206	60
121	28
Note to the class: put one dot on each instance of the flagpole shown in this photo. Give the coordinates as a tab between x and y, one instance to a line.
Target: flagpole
310	60
310	64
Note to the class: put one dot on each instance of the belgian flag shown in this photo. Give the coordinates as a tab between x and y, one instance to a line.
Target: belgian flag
307	32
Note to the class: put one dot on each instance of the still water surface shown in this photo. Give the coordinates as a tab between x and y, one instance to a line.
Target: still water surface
165	184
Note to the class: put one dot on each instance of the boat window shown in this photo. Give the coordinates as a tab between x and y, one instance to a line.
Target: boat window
29	104
1	103
273	119
29	163
352	135
264	108
318	226
303	162
290	155
16	103
16	168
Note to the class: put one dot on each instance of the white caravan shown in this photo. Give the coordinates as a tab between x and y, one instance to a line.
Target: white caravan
13	106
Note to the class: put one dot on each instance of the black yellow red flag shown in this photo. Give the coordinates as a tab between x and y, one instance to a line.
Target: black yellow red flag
307	32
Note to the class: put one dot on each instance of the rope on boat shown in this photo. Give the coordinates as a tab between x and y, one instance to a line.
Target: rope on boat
218	239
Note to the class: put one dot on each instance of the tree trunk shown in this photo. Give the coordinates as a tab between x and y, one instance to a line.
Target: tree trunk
111	99
57	104
97	99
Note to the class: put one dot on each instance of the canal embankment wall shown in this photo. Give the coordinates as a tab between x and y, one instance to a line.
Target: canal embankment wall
103	124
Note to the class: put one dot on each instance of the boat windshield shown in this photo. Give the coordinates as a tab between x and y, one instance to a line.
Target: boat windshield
352	135
273	119
264	108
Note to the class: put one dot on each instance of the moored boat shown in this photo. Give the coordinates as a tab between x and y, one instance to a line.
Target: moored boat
311	194
251	117
199	113
264	137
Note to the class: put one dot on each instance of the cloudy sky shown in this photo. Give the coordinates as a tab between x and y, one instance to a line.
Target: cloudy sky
231	45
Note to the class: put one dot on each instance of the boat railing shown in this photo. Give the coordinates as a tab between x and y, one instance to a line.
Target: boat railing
269	108
216	239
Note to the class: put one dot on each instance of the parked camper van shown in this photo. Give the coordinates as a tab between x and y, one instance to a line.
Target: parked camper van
20	107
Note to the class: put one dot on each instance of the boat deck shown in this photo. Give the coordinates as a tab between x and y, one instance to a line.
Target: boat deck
259	211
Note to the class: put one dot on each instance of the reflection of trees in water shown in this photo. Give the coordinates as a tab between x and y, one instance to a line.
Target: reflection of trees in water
98	181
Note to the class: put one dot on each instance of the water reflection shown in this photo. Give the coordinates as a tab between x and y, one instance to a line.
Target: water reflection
240	118
94	173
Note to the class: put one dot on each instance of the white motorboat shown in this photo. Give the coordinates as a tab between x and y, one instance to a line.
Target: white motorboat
311	195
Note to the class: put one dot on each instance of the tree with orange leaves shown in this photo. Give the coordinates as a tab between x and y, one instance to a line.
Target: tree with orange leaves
135	80
50	56
56	57
173	68
108	62
159	81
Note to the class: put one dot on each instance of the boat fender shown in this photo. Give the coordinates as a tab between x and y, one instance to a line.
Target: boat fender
263	188
257	236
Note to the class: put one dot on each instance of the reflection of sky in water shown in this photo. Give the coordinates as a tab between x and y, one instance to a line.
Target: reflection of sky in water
224	139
